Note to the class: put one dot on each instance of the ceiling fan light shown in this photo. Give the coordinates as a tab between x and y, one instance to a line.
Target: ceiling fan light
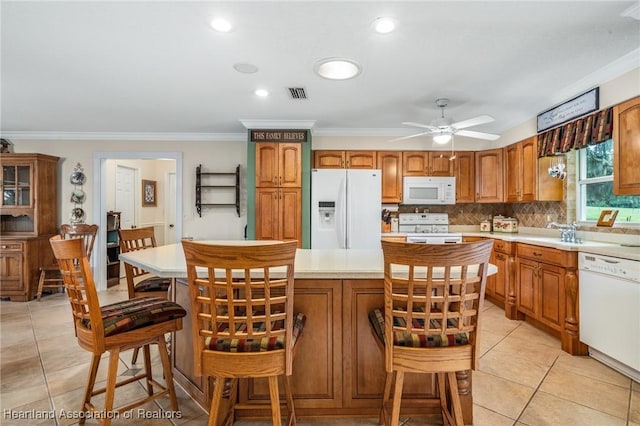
442	138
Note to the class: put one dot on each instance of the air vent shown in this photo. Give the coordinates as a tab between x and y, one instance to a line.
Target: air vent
297	93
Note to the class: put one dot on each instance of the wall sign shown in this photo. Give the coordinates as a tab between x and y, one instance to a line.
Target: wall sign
278	135
580	105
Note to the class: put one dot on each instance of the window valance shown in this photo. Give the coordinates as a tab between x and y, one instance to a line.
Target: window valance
590	130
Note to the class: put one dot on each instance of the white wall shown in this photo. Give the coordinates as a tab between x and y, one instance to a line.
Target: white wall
214	156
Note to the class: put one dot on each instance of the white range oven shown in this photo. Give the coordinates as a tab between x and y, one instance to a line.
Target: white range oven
427	228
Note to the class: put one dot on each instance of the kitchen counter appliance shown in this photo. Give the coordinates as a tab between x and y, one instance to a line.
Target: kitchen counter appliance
427	228
428	190
345	208
610	311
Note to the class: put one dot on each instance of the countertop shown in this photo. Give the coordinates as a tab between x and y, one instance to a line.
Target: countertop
629	249
168	261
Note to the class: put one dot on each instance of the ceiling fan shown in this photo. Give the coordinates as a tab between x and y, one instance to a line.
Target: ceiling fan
443	129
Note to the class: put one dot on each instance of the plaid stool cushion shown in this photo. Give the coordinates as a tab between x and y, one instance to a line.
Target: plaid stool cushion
256	345
416	340
137	313
153	284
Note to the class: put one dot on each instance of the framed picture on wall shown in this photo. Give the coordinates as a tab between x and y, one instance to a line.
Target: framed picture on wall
148	193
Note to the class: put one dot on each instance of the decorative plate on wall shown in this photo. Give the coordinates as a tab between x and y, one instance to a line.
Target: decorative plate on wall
77	196
78	178
77	215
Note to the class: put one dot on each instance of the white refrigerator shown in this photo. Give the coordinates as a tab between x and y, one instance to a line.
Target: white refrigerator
345	208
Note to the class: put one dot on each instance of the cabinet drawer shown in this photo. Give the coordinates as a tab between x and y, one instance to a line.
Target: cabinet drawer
505	247
10	246
541	254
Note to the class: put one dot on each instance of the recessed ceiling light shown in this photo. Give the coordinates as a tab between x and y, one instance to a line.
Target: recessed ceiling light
263	93
221	25
245	68
384	25
337	68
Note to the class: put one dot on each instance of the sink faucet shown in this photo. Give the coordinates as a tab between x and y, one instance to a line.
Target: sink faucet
567	231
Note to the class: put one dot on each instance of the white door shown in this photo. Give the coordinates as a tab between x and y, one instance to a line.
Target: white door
170	222
125	196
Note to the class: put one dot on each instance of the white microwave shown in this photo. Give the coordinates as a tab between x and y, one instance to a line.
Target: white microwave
429	190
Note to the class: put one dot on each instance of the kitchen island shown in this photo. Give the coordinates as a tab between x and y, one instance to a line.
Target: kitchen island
339	364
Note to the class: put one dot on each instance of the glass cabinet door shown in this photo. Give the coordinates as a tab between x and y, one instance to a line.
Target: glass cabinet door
16	186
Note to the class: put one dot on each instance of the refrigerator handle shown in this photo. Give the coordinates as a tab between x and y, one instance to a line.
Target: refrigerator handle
347	226
341	212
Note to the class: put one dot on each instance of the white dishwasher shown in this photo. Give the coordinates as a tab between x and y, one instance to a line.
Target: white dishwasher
610	311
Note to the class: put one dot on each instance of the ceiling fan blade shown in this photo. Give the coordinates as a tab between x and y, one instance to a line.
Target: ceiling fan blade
410	136
477	135
476	121
420	125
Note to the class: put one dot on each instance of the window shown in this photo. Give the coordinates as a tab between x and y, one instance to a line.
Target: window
595	187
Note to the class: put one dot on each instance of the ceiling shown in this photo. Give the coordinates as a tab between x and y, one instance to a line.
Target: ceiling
95	68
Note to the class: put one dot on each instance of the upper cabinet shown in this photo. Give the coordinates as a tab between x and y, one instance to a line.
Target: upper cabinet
424	163
391	164
330	159
278	165
29	194
526	176
626	148
521	170
464	171
489	176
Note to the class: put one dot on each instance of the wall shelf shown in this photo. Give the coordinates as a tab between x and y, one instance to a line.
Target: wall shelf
206	180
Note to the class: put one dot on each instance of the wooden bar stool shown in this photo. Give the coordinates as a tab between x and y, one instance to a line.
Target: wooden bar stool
51	274
141	283
114	328
243	320
433	297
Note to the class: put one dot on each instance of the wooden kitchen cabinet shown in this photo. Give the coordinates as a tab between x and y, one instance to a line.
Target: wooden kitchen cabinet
390	162
489	176
526	177
464	172
547	291
28	218
331	159
427	163
279	191
521	171
626	147
278	165
549	188
278	214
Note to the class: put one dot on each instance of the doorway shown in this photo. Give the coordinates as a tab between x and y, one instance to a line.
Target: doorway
100	186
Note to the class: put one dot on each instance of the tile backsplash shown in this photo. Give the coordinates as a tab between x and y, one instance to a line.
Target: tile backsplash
532	215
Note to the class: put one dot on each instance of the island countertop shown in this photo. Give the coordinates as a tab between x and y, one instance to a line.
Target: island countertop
168	261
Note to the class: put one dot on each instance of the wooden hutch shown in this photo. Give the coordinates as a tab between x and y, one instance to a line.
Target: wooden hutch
28	218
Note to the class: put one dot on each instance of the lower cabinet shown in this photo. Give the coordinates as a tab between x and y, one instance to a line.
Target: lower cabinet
20	262
339	364
547	292
501	286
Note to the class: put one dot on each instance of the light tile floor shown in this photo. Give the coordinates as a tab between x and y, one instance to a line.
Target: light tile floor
524	376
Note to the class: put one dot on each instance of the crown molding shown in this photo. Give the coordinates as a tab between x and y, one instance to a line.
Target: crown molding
277	124
126	136
362	132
